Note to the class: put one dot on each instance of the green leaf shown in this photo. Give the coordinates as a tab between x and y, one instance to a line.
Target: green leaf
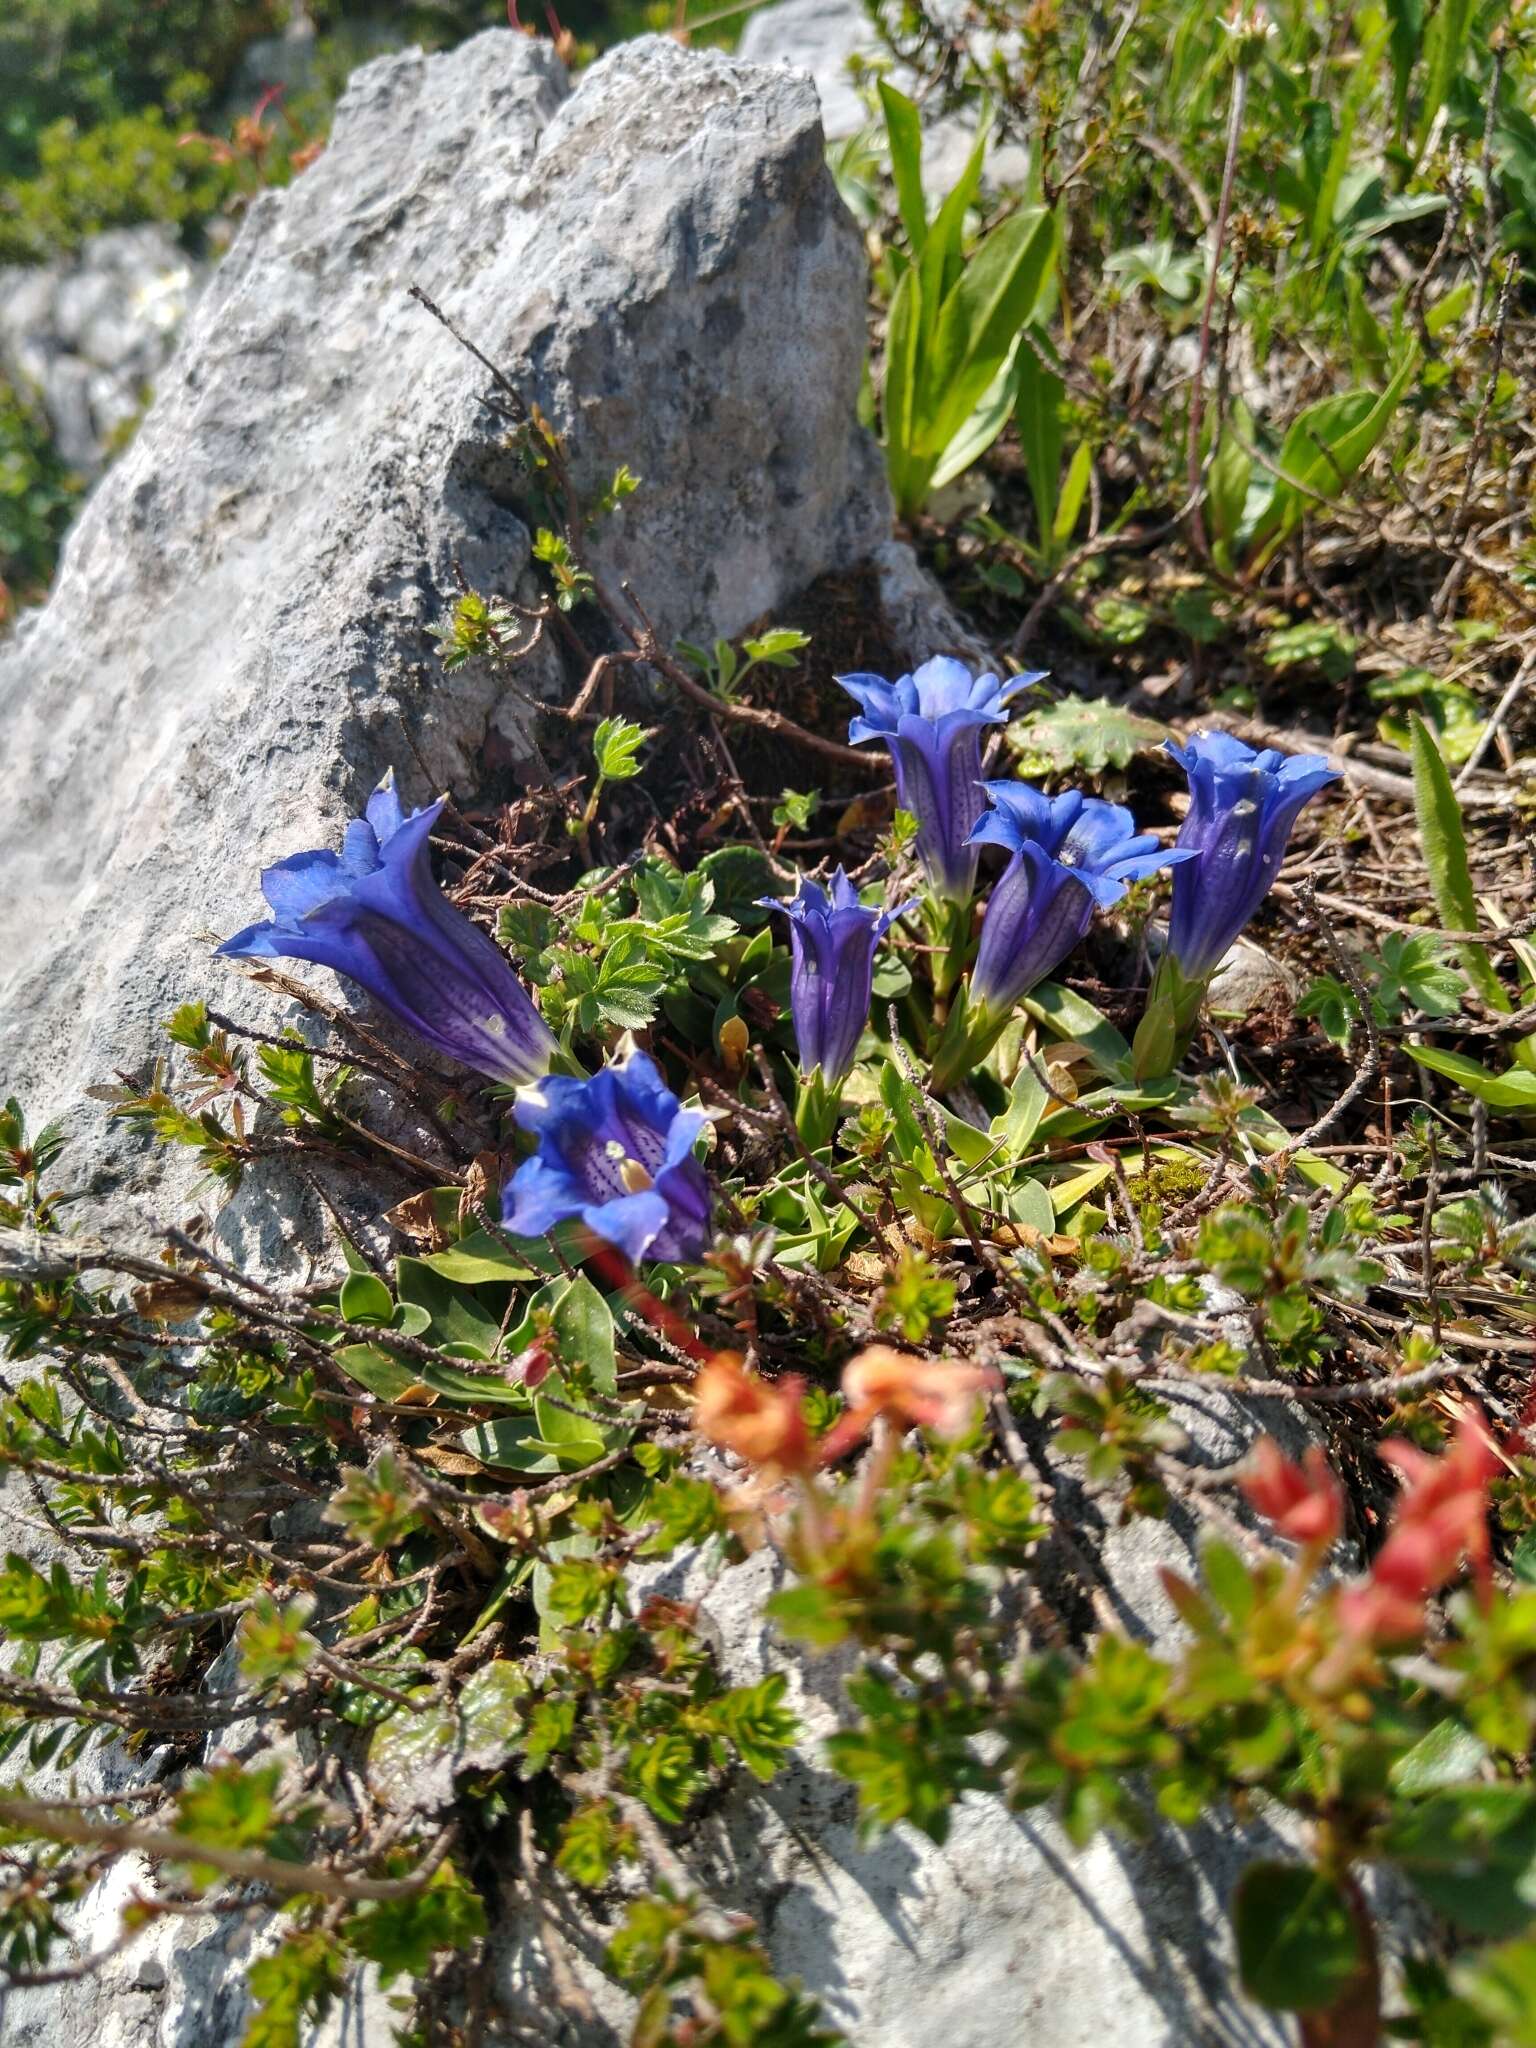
1027	1103
1030	1203
979	320
480	1258
512	1444
365	1299
1227	481
1073	491
777	646
615	748
1445	855
1448	1755
1038	422
458	1316
1513	1089
415	1755
1323	447
1332	1002
1297	1948
1444	46
384	1375
1316	642
292	1987
1072	1016
1413	974
389	1376
943	258
1471	1851
898	398
1176	273
583	1328
903	128
1449	709
987	420
1501	1985
403	1935
757	1723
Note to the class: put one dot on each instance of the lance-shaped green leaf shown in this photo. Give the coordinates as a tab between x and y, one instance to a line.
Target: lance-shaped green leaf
1323	447
1444	841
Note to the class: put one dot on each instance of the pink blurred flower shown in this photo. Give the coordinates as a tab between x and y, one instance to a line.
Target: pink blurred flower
923	1393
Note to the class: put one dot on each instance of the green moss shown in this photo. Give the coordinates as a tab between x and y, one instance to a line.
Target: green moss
1170	1184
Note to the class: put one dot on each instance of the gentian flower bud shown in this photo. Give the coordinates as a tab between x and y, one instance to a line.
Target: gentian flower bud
374	914
1072	855
617	1153
1242	805
833	940
931	721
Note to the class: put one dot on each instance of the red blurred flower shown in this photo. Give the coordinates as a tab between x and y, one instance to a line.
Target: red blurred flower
1442	1514
1381	1615
760	1420
1305	1502
1440	1518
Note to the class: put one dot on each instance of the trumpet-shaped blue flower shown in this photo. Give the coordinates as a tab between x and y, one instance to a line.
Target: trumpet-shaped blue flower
833	939
932	722
1242	805
374	913
616	1152
1072	855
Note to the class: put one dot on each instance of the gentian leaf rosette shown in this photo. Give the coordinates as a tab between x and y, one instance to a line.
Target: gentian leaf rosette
833	938
374	913
1243	803
932	721
615	1153
1071	855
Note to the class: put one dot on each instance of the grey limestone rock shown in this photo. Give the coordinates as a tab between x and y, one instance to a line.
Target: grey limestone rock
241	636
90	334
1006	1934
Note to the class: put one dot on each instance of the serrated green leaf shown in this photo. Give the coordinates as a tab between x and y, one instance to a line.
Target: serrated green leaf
1083	732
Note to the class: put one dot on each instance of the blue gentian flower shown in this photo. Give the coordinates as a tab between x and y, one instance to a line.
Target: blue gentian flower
374	913
617	1153
932	722
1242	805
1072	855
833	940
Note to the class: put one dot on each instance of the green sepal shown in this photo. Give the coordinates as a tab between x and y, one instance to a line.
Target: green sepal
1168	1022
949	927
816	1108
969	1035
